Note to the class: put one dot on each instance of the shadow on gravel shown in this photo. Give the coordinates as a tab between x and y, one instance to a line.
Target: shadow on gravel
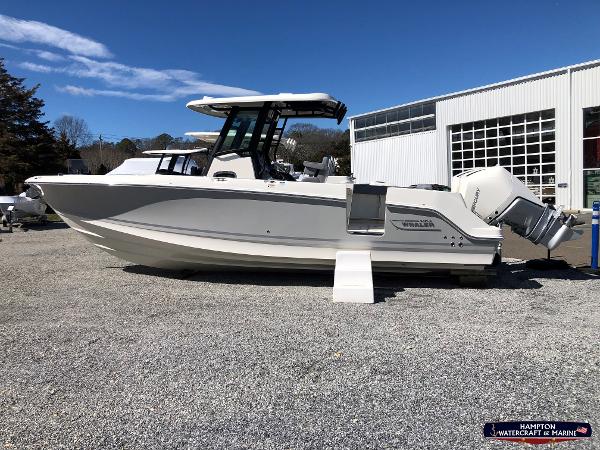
257	278
521	272
24	227
509	276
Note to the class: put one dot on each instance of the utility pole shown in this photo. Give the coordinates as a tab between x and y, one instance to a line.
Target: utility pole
101	159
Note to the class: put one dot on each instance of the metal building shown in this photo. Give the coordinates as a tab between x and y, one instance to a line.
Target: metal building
544	128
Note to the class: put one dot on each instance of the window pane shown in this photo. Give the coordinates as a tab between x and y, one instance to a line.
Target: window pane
518	140
548	136
429	123
360	123
416	111
548	147
503	121
548	114
416	126
381	131
404	128
428	109
240	133
591	183
591	122
505	131
520	118
518	129
403	114
370	121
359	135
380	118
591	153
393	129
548	125
392	116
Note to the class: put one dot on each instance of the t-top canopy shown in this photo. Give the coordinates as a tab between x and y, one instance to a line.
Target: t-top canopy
290	105
175	151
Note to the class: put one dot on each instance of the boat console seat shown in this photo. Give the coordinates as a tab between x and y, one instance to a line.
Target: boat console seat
318	172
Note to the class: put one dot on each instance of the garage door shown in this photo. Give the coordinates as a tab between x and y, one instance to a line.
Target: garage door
524	144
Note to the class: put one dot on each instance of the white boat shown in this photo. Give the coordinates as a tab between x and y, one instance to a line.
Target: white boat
256	216
13	208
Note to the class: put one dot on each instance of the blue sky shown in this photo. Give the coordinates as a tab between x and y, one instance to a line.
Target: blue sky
129	67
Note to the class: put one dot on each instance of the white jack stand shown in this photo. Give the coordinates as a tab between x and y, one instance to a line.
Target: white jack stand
353	282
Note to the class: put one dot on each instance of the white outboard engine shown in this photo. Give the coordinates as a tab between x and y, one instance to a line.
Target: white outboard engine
499	198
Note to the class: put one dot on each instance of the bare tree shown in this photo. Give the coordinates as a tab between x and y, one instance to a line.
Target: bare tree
73	129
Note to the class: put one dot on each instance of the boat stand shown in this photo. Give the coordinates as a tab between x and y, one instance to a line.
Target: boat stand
353	282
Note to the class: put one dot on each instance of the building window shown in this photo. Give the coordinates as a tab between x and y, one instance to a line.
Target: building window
591	155
413	119
524	144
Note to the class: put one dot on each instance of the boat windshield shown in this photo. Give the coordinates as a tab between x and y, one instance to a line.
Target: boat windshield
177	165
240	133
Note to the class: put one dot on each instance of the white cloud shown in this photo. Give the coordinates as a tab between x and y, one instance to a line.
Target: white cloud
88	92
42	54
120	80
17	30
49	56
14	47
36	67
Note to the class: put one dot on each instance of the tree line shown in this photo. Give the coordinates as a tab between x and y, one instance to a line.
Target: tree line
30	146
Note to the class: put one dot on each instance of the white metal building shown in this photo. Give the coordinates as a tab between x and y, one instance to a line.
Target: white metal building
544	128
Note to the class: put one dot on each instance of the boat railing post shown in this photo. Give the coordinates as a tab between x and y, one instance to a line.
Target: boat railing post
595	226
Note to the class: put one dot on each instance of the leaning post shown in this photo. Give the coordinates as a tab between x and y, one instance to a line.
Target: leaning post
595	226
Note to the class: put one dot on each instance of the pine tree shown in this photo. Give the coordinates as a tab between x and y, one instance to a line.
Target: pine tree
27	145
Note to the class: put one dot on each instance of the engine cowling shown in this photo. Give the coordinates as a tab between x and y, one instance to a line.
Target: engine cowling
497	197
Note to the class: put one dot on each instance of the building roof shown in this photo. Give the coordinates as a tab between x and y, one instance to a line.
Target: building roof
535	76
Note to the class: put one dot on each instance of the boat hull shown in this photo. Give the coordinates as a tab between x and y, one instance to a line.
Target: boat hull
203	224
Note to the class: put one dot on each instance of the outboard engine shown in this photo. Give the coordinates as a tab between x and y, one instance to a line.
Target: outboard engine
498	197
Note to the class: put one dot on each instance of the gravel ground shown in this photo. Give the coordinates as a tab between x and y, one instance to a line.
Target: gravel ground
98	353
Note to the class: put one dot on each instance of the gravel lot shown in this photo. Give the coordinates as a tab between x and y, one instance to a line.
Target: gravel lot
98	353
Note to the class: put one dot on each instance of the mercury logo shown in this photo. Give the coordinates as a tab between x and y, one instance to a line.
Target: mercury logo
475	200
